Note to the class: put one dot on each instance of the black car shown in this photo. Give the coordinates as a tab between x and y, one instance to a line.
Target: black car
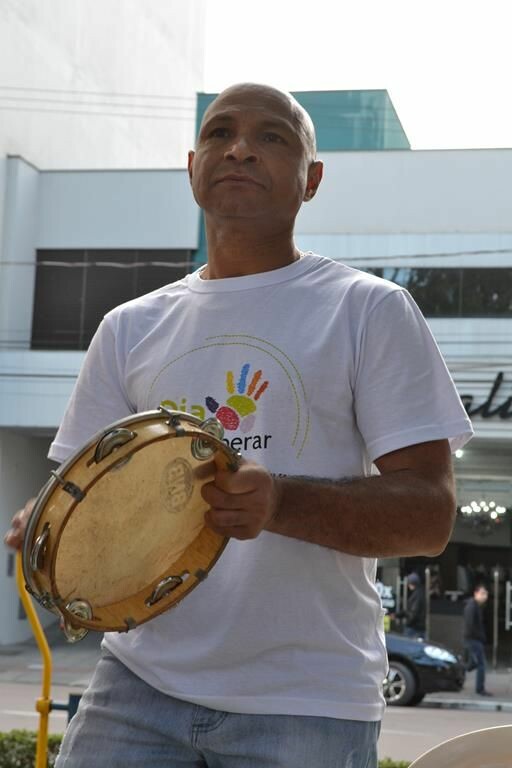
417	667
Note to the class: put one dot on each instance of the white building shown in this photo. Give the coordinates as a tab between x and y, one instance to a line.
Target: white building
100	85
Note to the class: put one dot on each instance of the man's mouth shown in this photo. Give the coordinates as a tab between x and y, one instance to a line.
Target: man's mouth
238	178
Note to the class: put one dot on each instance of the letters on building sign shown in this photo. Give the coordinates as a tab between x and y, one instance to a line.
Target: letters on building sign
489	408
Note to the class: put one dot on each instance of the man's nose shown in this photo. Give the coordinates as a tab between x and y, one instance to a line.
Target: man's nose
241	150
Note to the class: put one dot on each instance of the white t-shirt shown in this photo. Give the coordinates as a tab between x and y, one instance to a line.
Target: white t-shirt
314	369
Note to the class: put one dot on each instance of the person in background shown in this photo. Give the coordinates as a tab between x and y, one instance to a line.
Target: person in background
436	583
475	636
414	614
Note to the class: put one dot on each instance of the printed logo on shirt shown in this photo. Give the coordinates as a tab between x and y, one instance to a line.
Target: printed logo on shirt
267	381
241	403
239	411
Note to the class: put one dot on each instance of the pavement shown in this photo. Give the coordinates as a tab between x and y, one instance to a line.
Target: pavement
73	665
498	682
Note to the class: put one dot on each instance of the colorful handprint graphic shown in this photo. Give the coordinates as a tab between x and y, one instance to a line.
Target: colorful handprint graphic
240	408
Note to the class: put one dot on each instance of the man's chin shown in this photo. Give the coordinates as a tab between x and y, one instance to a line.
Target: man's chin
236	210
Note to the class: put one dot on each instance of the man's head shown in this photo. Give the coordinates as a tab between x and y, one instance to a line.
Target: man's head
413	581
255	156
480	594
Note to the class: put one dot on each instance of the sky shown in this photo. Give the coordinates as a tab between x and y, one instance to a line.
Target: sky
447	64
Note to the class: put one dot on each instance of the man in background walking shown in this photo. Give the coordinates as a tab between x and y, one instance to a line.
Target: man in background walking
414	614
475	636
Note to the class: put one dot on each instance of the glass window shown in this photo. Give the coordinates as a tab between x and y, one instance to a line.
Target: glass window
455	292
75	289
487	292
58	292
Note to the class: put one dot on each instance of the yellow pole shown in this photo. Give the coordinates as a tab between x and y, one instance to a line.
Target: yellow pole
44	703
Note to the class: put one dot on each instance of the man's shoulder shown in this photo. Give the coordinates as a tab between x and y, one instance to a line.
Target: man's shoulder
150	303
341	276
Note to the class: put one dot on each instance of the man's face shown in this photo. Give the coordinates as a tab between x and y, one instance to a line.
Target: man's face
481	595
252	158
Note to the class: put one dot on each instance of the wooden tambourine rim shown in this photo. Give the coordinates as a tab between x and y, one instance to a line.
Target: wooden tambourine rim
58	604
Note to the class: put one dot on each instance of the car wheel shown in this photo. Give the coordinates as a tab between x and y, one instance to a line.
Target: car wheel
399	685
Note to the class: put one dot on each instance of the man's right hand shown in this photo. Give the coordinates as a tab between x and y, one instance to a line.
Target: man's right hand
15	535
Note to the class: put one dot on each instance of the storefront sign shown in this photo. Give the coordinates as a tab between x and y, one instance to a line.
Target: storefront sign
490	407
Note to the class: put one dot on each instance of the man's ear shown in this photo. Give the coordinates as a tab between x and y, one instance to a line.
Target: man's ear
190	164
315	173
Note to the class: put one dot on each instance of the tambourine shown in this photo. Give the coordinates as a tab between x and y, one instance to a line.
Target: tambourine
486	748
117	534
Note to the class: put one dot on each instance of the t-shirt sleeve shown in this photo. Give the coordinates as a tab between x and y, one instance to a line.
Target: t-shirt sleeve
403	391
99	397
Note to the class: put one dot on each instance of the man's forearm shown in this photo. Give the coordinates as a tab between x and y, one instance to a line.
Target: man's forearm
407	510
398	514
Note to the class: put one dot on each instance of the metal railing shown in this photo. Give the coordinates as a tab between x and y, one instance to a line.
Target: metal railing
44	704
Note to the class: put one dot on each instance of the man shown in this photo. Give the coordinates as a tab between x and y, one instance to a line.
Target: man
475	636
414	614
278	658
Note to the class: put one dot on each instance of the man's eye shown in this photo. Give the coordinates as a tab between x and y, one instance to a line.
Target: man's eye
273	137
218	133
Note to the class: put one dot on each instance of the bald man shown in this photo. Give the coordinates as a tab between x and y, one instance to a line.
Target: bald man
316	371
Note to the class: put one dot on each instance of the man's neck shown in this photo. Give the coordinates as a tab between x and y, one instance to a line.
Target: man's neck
237	253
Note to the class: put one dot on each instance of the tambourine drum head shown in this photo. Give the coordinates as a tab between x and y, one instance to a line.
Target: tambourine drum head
135	522
487	748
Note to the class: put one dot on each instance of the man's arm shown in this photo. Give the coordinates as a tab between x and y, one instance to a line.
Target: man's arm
409	509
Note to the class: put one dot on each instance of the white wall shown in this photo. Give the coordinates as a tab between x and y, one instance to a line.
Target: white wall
23	471
35	387
3	182
420	191
90	85
100	85
17	252
412	249
117	209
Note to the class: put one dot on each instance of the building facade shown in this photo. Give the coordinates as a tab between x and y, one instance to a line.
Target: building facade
110	86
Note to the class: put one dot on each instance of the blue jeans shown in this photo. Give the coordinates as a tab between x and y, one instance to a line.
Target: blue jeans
476	659
124	723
